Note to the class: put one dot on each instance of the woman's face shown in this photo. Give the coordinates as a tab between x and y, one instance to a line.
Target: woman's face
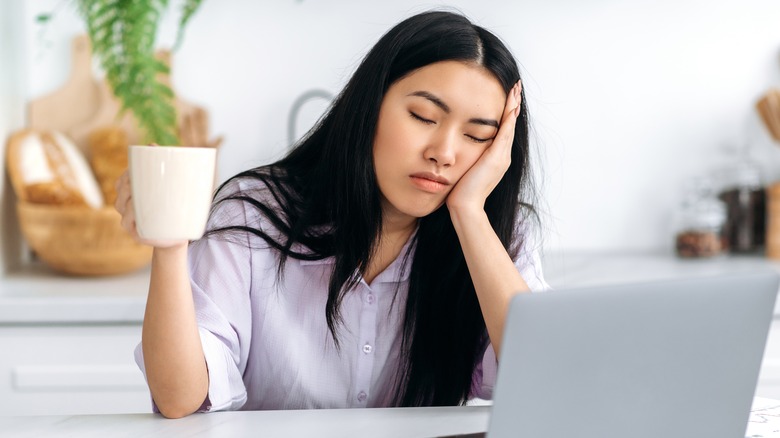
434	124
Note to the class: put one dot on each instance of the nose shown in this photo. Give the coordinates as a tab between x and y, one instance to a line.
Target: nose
441	150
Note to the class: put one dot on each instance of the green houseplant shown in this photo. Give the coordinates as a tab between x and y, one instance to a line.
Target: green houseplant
123	35
171	186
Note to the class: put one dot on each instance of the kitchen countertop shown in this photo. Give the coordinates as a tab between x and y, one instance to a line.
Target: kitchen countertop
583	269
36	295
578	269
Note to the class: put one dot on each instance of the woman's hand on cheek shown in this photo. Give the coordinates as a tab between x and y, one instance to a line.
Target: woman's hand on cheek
478	182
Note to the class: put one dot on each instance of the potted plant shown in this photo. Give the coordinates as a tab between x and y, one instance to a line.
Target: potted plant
123	36
172	186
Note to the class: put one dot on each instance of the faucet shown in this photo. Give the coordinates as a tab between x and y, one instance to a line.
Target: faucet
292	118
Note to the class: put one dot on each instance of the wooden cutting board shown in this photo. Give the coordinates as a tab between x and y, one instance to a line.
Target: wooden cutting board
76	101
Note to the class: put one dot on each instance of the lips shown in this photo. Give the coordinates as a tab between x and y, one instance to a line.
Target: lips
430	182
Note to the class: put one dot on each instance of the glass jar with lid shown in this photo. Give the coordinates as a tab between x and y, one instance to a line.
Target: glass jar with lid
745	198
700	221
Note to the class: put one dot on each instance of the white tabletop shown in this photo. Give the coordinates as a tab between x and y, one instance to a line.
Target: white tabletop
764	422
322	423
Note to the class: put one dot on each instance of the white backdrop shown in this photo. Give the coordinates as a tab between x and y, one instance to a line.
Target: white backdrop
12	98
629	99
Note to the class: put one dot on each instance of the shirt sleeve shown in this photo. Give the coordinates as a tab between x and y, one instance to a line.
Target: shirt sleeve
529	264
221	282
220	274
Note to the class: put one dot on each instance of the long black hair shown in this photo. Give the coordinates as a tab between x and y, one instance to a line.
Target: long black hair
329	206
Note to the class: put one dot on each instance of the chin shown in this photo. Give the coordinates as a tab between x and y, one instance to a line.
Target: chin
414	207
422	211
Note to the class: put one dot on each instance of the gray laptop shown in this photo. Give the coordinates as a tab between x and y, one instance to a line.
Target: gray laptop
665	359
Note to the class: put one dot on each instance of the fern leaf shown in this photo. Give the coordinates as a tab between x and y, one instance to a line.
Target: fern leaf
123	35
188	10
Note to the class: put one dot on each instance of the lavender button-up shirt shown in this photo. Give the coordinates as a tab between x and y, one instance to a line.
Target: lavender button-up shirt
267	344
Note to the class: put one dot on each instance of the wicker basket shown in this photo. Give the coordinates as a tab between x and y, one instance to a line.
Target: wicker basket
80	240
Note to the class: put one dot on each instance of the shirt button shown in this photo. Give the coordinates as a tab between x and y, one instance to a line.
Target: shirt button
370	298
362	397
367	348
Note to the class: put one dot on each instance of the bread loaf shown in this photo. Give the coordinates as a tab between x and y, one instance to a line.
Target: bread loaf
47	168
108	157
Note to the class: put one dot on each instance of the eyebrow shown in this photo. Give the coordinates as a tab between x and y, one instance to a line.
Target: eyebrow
446	108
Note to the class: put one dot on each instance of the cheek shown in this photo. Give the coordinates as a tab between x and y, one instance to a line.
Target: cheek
387	151
386	132
383	144
396	138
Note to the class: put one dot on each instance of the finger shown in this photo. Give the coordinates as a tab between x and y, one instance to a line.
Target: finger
519	95
129	224
120	180
128	221
123	195
512	99
506	130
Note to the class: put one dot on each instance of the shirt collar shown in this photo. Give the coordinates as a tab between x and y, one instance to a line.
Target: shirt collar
397	270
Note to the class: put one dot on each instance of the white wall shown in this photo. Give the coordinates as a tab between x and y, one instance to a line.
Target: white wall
629	99
12	97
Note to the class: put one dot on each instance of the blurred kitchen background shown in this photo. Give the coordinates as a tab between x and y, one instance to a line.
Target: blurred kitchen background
629	100
638	109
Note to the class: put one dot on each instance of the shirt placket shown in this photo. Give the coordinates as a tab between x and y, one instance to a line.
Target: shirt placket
366	346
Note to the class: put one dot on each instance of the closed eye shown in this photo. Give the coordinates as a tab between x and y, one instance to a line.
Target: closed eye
477	139
421	119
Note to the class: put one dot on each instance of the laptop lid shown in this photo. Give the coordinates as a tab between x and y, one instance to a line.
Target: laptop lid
677	358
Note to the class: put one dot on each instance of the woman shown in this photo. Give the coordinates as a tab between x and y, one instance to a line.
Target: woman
374	264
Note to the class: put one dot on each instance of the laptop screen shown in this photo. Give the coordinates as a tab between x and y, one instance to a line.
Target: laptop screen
658	359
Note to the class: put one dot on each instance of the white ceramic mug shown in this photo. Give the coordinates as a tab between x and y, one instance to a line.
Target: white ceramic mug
172	190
